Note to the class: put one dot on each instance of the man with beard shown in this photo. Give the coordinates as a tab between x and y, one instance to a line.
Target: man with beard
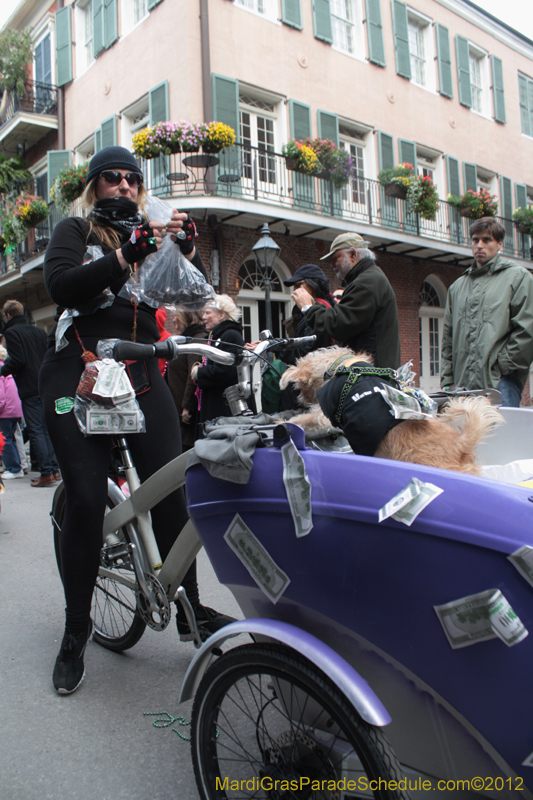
366	318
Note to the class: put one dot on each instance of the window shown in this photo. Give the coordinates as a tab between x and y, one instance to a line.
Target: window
429	162
421	51
257	132
479	81
347	27
432	300
354	142
84	36
132	12
265	8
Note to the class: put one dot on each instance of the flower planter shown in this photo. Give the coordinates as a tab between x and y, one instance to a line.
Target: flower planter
211	149
465	211
171	148
35	219
395	190
291	162
525	228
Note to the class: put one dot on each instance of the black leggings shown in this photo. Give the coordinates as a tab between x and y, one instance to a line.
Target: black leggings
84	468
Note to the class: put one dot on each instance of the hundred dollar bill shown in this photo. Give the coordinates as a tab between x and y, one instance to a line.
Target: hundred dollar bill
112	421
269	577
403	406
427	493
480	617
298	488
399	501
522	559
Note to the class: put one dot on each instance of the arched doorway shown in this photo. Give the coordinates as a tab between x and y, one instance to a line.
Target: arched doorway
251	298
432	301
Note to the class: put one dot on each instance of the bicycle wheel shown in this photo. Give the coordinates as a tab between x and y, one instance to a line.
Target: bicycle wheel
117	624
262	714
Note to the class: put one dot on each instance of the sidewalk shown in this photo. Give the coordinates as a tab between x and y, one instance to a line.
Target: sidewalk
96	744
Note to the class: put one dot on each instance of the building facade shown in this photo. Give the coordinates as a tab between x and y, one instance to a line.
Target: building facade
436	83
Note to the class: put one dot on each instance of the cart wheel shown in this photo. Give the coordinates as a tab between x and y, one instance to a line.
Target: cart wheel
263	713
117	624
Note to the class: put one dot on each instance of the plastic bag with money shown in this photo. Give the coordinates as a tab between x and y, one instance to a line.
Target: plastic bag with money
104	300
167	277
105	400
405	377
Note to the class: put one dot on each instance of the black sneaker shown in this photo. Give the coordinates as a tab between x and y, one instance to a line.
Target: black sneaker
207	619
69	670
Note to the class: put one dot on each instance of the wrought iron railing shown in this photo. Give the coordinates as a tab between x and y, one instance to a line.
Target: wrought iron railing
35	242
39	98
255	174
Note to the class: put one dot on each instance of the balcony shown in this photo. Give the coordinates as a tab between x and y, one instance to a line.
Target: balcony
26	119
251	174
36	242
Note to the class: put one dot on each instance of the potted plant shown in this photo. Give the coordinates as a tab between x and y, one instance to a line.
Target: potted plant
14	230
217	136
300	157
30	210
166	136
16	56
397	180
475	204
422	197
192	136
523	220
68	186
335	164
145	143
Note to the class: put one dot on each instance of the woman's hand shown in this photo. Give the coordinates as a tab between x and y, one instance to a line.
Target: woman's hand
302	297
182	222
186	416
194	373
144	240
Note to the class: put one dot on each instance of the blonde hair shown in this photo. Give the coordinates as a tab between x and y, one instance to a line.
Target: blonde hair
109	236
187	318
223	302
3	353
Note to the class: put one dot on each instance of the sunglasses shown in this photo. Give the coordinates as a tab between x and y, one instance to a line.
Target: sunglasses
113	177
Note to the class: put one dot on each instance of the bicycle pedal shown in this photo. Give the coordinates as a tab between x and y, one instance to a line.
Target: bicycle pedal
112	554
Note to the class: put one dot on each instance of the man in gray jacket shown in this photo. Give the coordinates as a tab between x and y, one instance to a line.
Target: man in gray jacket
488	324
366	318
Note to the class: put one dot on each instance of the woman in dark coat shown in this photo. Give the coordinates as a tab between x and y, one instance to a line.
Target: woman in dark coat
221	320
182	388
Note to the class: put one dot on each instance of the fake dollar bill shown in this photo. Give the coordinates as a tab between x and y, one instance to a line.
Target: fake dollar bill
480	617
298	488
112	420
403	406
399	501
113	382
269	577
522	559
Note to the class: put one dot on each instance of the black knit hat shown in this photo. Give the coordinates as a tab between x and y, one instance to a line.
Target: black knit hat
112	158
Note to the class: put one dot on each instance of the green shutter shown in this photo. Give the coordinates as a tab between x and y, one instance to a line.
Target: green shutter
291	13
63	46
407	152
328	126
470	176
110	22
462	55
158	101
108	132
376	46
322	21
385	151
444	60
530	105
506	198
153	4
452	170
97	140
300	117
520	194
524	108
226	102
401	39
56	160
497	89
98	26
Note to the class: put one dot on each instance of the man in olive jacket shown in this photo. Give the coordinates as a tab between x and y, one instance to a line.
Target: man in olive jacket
366	318
488	324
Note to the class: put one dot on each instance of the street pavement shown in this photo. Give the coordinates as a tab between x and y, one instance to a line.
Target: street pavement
97	744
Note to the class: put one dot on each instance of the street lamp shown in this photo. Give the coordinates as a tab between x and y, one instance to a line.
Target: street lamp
265	252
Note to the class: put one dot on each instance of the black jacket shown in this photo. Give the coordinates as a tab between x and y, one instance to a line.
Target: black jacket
26	345
366	319
213	379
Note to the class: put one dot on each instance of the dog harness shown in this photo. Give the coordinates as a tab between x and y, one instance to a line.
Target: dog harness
353	373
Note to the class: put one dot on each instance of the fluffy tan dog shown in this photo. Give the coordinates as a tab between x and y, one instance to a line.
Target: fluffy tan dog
448	442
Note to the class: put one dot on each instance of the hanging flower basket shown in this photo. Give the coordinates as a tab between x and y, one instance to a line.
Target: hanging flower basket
395	190
465	211
525	228
291	162
30	210
217	136
475	205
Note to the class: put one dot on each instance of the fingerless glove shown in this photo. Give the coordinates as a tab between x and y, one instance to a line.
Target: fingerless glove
140	244
187	244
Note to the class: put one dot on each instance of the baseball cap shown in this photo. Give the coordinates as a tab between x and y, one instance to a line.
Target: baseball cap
307	271
345	241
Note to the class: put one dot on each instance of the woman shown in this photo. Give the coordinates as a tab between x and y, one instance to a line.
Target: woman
114	196
187	323
221	320
10	415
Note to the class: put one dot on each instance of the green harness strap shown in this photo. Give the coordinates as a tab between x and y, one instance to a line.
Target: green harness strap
353	374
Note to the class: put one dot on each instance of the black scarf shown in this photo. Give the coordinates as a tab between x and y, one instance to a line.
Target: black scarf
117	212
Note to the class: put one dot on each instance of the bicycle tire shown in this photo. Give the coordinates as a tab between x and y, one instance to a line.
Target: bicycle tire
265	711
116	621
